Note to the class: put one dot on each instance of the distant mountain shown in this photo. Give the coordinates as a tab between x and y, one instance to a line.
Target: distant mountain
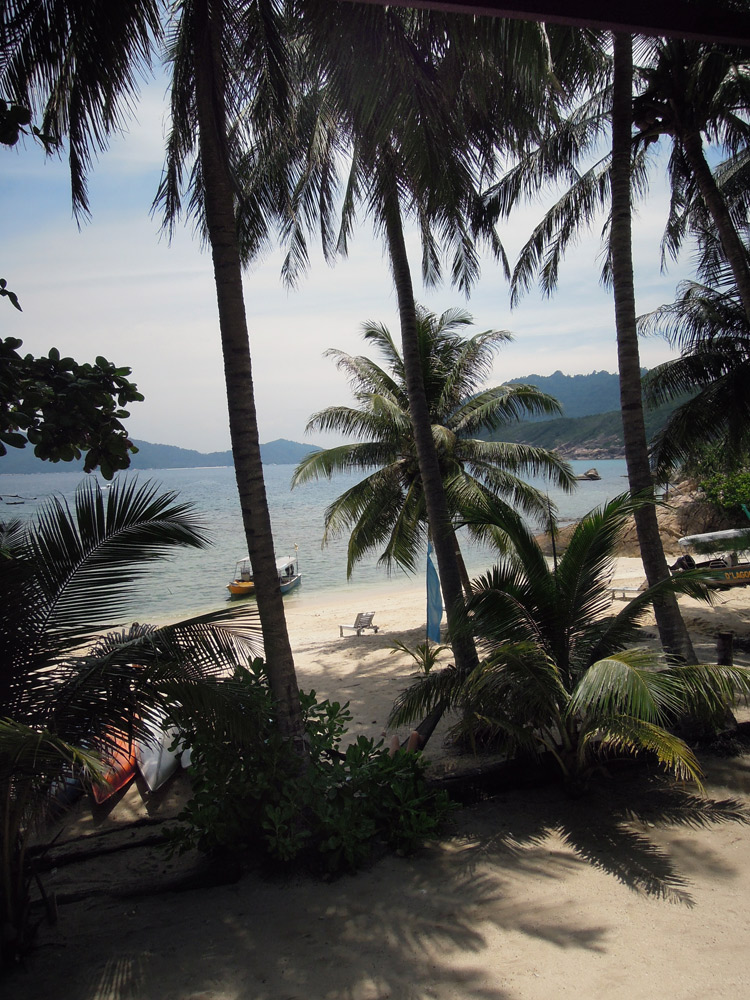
580	395
161	456
595	436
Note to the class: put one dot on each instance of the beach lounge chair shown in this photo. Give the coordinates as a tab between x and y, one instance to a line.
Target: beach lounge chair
361	622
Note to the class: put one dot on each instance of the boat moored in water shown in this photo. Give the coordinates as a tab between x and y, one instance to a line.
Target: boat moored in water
243	584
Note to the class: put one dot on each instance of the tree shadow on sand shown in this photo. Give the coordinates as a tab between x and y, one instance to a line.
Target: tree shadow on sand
614	828
404	928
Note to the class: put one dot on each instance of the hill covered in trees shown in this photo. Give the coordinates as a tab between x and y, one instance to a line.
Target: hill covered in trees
579	395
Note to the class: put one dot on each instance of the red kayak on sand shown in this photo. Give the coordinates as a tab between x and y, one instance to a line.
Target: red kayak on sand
121	764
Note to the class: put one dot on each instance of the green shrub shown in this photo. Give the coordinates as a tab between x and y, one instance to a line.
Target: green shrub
250	793
728	490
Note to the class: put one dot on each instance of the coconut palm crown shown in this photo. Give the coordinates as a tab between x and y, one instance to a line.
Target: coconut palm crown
387	508
710	326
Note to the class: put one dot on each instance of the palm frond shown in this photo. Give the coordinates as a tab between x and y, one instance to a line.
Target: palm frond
633	736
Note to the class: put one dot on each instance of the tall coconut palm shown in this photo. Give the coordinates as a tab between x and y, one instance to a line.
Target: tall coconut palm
672	630
607	184
560	672
65	577
710	327
421	103
696	93
80	69
387	508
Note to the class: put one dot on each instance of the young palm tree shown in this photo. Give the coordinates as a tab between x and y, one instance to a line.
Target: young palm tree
64	578
711	328
80	68
387	507
559	671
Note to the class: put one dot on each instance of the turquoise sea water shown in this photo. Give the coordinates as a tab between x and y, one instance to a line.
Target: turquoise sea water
195	580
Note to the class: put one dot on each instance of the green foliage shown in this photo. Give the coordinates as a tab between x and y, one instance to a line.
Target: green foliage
728	490
424	654
386	510
560	672
709	379
5	292
65	577
565	432
252	793
65	409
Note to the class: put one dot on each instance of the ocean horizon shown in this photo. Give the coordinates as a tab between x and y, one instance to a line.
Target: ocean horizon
194	581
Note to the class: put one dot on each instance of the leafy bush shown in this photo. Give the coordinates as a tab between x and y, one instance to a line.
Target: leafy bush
252	792
728	490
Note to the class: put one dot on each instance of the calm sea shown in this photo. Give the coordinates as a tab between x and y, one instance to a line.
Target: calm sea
193	581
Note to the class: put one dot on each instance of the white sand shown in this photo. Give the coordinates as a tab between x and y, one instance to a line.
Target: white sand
528	897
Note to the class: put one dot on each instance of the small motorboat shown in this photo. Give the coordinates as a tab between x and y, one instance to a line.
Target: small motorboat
243	584
728	565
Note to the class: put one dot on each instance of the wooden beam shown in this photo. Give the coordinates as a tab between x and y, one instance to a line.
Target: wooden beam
707	20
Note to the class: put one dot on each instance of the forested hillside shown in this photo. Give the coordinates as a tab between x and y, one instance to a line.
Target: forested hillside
596	436
580	395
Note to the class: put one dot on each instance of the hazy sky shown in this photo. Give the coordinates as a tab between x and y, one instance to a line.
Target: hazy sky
115	287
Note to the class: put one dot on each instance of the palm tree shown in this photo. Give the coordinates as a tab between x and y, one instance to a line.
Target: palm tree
64	578
711	328
606	184
694	89
80	69
420	103
672	630
560	673
387	506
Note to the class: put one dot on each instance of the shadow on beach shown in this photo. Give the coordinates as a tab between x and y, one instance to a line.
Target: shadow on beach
518	868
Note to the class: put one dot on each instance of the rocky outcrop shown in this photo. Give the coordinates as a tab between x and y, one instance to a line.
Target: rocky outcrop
683	513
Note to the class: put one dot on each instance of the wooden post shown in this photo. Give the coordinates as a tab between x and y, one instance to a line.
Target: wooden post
725	649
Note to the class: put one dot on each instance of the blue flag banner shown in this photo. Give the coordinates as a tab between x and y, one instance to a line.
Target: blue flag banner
434	599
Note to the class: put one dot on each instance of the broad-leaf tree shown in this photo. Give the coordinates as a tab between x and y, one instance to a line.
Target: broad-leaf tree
65	409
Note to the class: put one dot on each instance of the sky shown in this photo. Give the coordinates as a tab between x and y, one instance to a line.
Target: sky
116	287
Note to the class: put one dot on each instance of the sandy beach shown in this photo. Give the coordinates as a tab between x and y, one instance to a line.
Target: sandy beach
634	891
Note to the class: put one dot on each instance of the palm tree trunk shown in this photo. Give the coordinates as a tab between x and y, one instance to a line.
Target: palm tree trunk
243	423
713	199
463	572
441	528
672	631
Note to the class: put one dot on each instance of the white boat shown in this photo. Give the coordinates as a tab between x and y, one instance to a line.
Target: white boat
243	583
156	759
728	565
